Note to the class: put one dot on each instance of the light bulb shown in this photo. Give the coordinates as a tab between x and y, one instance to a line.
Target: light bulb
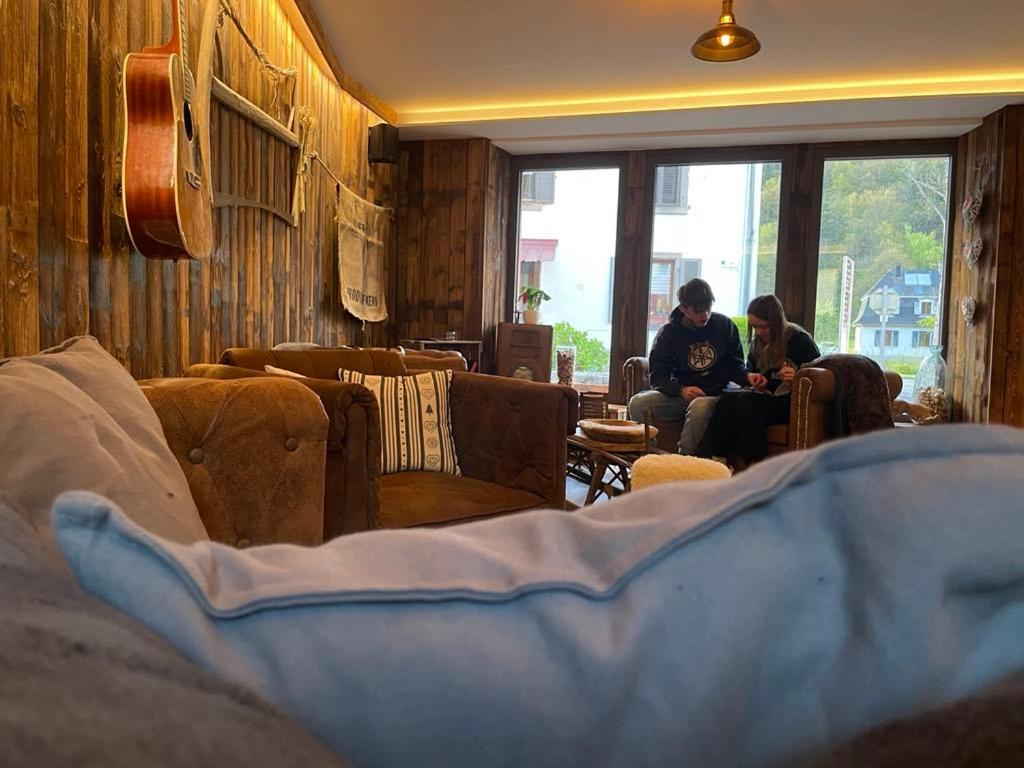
724	40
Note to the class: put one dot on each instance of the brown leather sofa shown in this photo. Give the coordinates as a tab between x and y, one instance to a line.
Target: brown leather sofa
811	418
509	436
252	452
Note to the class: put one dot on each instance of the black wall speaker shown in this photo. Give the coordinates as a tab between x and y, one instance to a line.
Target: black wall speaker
383	144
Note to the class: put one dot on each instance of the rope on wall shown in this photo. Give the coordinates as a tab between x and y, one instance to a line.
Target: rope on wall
307	127
275	71
307	156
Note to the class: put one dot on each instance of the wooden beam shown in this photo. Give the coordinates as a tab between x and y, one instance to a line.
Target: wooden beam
226	200
237	102
357	91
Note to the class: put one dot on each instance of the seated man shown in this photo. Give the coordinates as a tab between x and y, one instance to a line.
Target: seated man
695	355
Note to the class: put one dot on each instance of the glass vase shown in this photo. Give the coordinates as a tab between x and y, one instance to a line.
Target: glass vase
565	364
930	384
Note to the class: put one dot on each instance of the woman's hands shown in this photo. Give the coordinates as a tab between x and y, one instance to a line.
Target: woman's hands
757	380
786	373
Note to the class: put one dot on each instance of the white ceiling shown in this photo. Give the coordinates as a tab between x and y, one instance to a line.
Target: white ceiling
571	75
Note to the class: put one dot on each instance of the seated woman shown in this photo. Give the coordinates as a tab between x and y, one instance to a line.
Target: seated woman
777	349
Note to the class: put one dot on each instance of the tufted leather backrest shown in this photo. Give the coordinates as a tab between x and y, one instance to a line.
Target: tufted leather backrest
418	361
512	432
318	363
253	453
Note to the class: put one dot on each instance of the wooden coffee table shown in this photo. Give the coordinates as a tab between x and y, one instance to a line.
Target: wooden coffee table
591	460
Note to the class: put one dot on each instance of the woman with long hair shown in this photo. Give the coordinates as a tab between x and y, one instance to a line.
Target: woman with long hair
777	348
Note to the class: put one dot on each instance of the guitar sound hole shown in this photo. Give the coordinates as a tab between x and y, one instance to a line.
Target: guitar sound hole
187	119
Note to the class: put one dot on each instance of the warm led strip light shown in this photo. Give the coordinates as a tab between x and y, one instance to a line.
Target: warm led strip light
952	85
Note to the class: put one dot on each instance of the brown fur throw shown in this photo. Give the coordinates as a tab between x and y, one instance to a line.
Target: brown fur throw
862	396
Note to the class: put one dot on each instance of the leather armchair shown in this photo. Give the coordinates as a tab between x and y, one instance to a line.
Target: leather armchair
811	418
253	454
509	436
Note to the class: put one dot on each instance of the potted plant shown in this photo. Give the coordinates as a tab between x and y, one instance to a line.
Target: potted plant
530	299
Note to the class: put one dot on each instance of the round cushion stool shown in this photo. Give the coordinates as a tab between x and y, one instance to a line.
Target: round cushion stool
668	468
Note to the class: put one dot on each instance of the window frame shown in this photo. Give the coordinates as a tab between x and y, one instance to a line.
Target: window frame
917	335
800	200
675	263
892	335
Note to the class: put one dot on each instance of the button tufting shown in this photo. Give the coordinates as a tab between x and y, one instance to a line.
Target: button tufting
291	444
243	543
196	455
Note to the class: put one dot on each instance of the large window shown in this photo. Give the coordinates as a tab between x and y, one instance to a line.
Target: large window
881	258
567	249
728	237
717	214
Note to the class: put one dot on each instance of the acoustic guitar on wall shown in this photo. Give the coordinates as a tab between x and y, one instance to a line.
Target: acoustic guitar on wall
167	202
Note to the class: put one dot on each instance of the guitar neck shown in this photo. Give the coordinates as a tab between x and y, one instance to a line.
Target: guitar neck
179	19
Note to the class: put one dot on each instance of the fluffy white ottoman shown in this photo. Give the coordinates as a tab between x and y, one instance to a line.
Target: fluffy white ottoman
668	468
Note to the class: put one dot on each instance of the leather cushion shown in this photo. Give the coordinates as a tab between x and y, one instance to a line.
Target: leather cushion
429	498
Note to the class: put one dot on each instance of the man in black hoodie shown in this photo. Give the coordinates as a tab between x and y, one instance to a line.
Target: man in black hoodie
695	355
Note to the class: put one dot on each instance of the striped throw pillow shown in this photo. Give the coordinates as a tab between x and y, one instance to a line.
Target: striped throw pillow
415	420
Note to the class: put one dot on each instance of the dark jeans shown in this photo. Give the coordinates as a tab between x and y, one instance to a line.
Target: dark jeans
740	424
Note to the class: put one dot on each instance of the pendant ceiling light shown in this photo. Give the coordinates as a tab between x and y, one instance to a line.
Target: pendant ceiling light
728	41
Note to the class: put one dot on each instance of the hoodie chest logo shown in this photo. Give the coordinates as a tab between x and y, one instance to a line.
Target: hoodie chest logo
702	356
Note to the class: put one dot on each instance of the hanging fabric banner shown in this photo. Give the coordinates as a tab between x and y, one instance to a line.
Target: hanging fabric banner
362	241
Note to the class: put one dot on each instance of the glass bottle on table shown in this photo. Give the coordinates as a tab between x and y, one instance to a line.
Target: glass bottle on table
930	383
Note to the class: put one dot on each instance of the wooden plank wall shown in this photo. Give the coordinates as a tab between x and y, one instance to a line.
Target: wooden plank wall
495	263
66	263
453	208
985	361
19	179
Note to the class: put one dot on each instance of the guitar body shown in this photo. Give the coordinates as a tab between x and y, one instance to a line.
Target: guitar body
166	204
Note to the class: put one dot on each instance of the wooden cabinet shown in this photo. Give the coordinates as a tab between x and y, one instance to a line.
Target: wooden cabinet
523	351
